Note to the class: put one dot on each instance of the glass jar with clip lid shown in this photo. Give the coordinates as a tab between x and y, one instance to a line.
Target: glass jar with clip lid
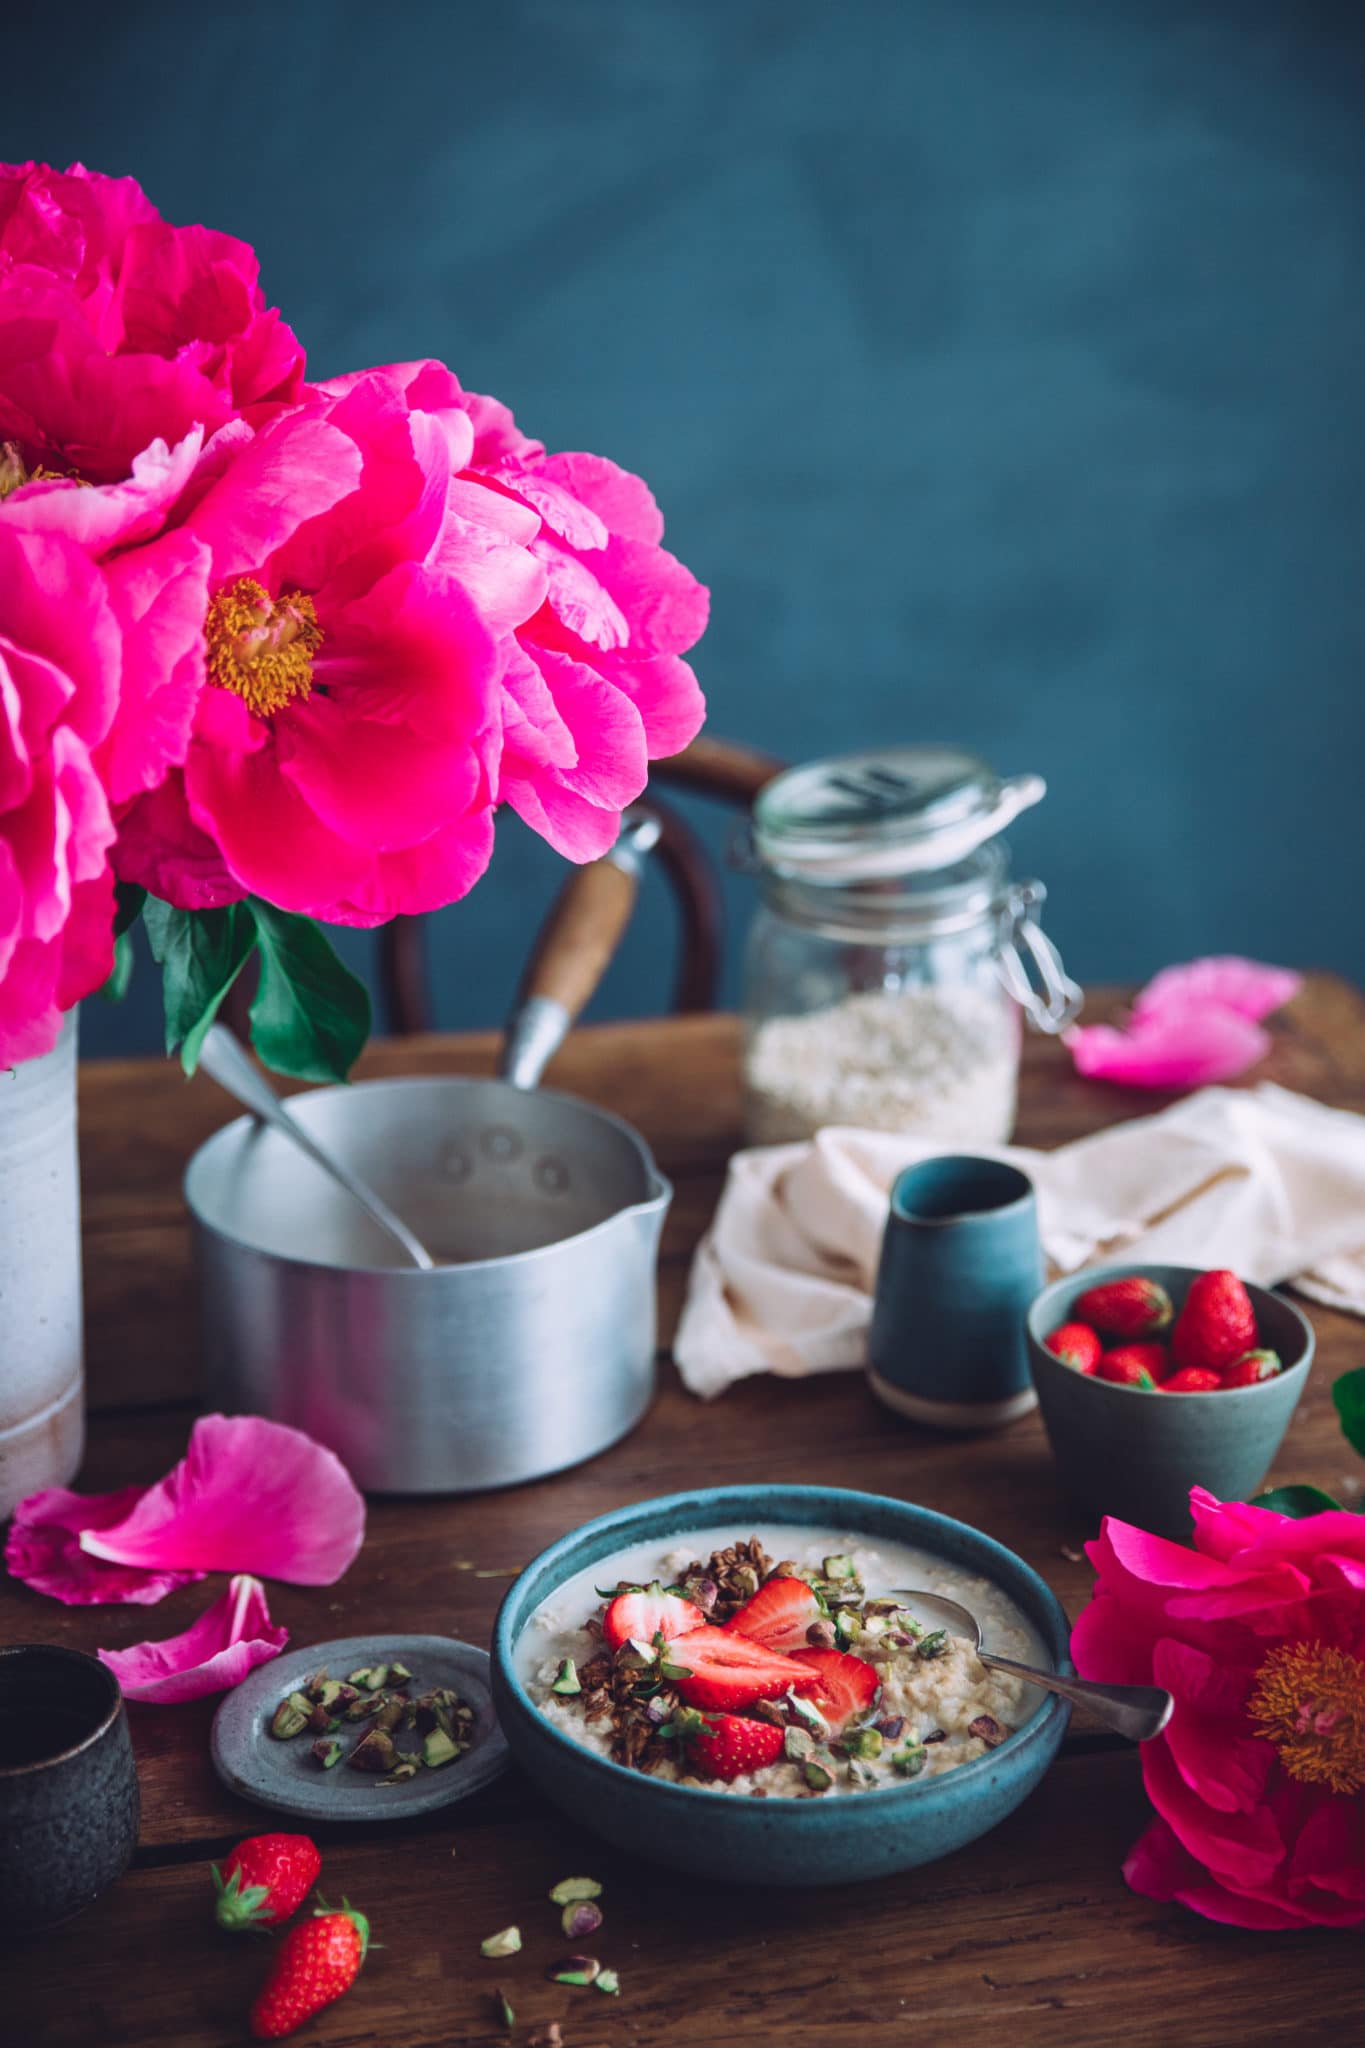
892	960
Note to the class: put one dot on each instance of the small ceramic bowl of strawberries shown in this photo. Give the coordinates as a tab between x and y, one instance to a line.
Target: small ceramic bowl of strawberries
1154	1379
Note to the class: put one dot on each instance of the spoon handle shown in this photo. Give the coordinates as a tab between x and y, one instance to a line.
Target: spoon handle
1137	1711
223	1058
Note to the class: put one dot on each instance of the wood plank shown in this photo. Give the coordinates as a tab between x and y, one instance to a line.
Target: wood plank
1028	1935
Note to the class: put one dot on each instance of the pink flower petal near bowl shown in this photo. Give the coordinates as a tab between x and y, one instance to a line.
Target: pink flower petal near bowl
1259	1817
229	1639
248	1496
1192	1026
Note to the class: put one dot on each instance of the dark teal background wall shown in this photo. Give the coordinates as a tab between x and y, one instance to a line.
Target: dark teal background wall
997	364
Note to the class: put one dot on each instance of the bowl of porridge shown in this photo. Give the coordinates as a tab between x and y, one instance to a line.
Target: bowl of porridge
734	1682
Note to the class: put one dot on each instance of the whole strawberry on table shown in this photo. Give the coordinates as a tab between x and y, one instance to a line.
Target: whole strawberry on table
1127	1333
264	1880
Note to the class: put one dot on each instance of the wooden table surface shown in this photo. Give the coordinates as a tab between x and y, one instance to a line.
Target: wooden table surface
1029	1936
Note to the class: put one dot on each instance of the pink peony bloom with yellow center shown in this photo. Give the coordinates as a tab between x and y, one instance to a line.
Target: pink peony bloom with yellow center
345	753
1259	1633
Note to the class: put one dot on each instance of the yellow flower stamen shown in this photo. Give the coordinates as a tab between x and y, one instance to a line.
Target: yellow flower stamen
1310	1702
14	474
261	650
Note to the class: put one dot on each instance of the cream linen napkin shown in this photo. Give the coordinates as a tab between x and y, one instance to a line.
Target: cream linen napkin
1264	1181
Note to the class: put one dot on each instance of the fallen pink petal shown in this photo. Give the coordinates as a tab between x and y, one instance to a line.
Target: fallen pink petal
230	1639
1190	1046
1223	981
44	1550
249	1495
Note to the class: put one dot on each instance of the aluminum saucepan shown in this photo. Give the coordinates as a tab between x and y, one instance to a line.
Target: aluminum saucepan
532	1346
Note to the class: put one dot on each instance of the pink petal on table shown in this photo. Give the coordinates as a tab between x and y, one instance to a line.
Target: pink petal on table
1226	982
249	1495
1186	1047
44	1550
230	1639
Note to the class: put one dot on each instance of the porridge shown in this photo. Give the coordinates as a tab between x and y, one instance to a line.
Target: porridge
779	1664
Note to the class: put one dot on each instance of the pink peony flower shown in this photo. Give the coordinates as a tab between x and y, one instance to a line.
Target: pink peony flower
344	761
1259	1632
229	1639
1190	1027
593	685
249	1495
117	328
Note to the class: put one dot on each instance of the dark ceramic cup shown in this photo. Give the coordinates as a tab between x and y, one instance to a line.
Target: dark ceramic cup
68	1785
960	1263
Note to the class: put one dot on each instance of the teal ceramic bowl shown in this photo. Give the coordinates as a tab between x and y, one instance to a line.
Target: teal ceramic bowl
1121	1451
778	1841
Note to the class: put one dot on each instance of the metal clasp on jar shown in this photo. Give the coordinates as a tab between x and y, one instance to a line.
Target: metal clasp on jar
1053	1000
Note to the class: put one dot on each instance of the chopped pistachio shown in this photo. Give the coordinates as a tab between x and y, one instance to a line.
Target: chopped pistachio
390	1713
840	1567
363	1705
892	1726
859	1773
570	1888
847	1625
328	1753
866	1743
809	1716
372	1678
608	1981
566	1680
506	1942
798	1744
819	1771
910	1761
580	1917
746	1580
769	1711
937	1735
438	1749
313	1686
988	1730
375	1752
405	1769
820	1635
288	1720
505	2012
329	1692
934	1645
574	1970
398	1674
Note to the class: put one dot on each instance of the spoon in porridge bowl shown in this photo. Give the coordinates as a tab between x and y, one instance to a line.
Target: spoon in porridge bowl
1137	1711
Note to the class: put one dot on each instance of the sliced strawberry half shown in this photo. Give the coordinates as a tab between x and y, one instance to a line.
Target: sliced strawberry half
647	1614
778	1615
845	1686
727	1670
728	1746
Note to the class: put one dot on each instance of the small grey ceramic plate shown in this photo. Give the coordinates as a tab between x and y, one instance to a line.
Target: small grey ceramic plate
250	1761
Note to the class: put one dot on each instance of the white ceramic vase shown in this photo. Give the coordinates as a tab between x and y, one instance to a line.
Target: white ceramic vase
42	1388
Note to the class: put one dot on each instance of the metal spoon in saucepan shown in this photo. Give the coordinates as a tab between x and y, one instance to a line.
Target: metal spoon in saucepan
224	1058
1137	1711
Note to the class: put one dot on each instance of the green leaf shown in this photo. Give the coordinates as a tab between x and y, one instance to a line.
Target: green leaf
121	973
201	954
1297	1501
311	1015
129	898
1349	1394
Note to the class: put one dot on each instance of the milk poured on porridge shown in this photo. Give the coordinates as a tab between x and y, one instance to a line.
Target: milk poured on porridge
835	1685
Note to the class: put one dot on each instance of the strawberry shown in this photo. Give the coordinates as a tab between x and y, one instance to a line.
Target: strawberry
1121	1369
727	1670
845	1686
265	1879
1154	1359
1193	1379
649	1612
728	1746
1217	1323
1076	1345
778	1615
1131	1307
318	1959
1251	1368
